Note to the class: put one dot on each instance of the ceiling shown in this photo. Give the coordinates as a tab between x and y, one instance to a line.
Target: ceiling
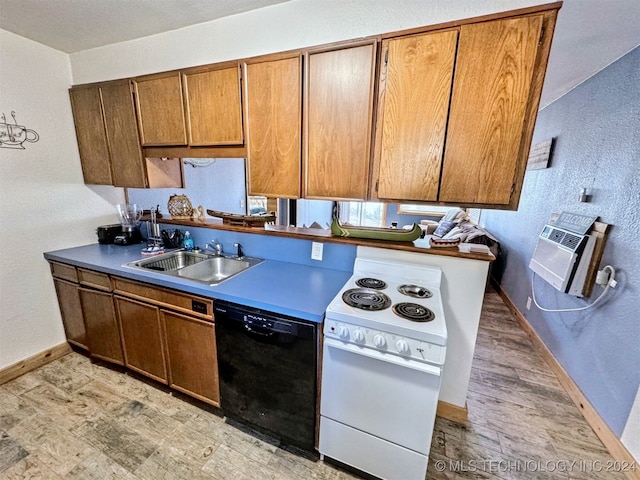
76	25
590	34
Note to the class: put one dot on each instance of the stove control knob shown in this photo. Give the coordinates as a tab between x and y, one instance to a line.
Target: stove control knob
402	346
358	336
343	332
379	341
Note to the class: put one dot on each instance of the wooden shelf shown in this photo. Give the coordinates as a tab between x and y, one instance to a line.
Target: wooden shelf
319	235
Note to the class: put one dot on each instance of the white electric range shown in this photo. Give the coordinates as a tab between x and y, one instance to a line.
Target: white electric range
384	347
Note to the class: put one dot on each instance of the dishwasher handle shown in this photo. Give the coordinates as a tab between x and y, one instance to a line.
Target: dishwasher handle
263	324
262	332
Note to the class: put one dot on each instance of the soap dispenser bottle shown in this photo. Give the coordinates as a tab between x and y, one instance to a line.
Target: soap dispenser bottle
187	242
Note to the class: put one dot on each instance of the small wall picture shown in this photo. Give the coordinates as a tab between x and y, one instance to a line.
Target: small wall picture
13	135
539	155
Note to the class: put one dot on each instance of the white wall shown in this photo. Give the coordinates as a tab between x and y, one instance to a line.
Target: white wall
44	204
289	25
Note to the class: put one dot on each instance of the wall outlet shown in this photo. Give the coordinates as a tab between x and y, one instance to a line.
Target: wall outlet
316	250
528	303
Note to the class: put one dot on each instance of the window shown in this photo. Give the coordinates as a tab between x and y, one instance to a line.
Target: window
370	214
366	214
428	210
436	211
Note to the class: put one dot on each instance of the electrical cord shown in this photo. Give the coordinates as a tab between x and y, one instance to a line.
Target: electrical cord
611	282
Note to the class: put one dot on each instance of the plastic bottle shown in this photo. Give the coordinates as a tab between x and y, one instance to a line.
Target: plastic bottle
187	242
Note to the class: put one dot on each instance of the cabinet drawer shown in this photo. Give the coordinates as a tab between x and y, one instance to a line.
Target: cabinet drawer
66	272
94	279
182	302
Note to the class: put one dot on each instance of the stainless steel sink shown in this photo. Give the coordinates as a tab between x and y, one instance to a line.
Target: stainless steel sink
217	269
171	261
201	267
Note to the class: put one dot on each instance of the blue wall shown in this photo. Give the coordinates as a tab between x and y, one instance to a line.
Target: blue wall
597	130
294	250
220	186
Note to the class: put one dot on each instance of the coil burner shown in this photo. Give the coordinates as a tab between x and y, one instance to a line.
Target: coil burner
366	299
369	282
415	291
413	312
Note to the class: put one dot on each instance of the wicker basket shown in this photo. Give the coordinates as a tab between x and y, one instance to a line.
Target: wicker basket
179	206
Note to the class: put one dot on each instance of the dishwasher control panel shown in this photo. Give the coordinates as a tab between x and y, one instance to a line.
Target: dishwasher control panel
403	346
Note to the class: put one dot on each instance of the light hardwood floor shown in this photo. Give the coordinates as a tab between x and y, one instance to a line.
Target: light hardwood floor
76	420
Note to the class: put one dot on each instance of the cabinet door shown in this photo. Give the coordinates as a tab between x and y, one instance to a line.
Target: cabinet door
338	115
191	352
71	312
415	88
127	162
491	92
103	335
160	111
91	135
214	110
273	115
141	338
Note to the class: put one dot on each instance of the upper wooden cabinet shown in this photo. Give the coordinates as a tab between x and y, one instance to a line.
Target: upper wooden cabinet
454	124
196	107
108	141
86	106
213	106
107	134
127	160
160	112
273	113
453	106
494	105
339	94
415	87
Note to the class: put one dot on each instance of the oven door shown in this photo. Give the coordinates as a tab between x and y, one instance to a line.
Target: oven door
383	395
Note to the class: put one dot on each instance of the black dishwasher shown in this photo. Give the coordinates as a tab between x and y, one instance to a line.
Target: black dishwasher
267	368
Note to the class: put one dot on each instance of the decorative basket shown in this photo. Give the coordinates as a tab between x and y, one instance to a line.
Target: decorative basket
179	206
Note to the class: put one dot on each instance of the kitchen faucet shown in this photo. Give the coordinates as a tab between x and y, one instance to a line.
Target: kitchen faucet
239	247
215	245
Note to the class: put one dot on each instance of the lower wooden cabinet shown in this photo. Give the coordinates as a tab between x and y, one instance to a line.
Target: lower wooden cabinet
191	356
170	337
164	334
141	338
71	312
103	334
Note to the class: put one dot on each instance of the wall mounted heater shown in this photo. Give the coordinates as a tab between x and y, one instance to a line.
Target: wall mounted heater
562	258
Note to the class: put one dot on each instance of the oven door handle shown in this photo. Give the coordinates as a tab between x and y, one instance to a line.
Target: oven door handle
383	357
